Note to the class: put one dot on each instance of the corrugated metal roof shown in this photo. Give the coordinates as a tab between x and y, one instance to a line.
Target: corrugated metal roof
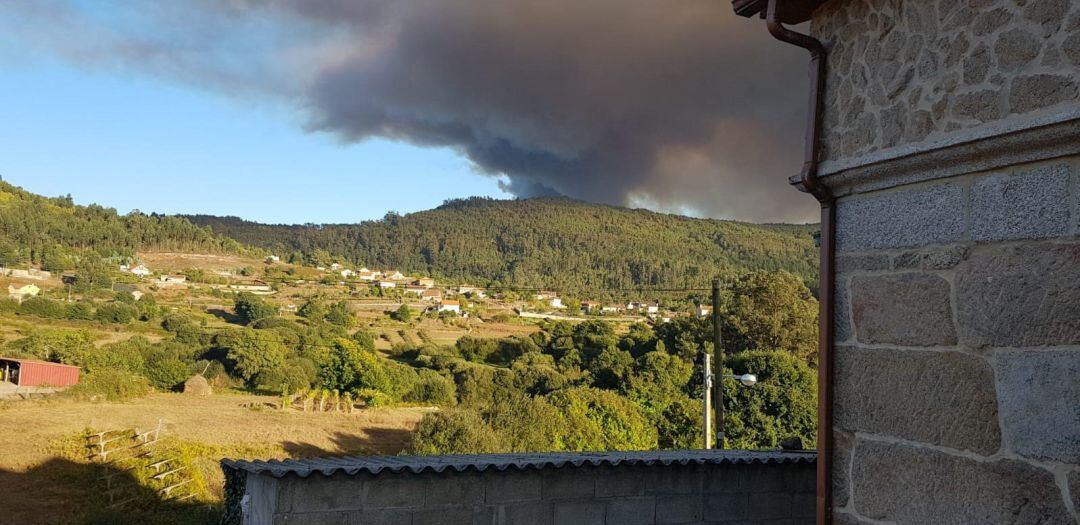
35	362
481	462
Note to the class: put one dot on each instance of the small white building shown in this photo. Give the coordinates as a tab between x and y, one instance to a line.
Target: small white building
335	266
556	302
347	273
703	311
450	305
382	283
22	292
415	290
393	275
273	259
426	282
431	294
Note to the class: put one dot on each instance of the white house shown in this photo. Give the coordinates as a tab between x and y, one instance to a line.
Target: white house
346	273
366	275
431	294
415	290
556	302
590	306
385	284
651	308
473	291
393	275
426	282
610	309
273	259
22	292
140	271
335	266
449	305
703	311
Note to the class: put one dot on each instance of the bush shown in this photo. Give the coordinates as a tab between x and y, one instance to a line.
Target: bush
372	398
457	431
110	385
42	307
602	420
118	313
432	388
250	308
82	310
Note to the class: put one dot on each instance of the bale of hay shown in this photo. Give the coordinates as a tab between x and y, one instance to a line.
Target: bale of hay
197	385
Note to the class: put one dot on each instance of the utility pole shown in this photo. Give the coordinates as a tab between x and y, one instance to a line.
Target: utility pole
706	372
718	364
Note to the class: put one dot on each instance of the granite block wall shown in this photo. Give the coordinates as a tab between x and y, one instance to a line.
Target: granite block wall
957	386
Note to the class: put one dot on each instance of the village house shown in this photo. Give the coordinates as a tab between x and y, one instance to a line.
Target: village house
431	294
450	305
382	283
273	259
472	291
415	289
651	308
426	282
347	273
335	266
393	275
367	275
611	309
30	273
590	307
22	292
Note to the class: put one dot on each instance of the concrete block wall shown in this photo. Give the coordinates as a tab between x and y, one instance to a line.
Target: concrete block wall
752	494
957	382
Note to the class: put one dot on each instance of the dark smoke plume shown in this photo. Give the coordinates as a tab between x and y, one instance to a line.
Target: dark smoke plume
675	105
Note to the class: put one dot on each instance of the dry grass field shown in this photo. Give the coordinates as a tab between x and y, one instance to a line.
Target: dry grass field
43	478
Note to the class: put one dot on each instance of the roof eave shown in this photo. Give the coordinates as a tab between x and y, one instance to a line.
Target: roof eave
790	11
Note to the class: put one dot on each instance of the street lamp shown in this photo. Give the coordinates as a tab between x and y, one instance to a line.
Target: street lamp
747	380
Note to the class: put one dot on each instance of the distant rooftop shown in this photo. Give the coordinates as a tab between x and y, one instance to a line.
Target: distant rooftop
481	462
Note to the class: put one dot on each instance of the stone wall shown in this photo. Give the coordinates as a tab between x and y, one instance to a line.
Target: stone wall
957	386
775	493
911	73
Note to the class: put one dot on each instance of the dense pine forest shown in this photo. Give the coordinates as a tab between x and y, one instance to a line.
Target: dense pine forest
543	242
50	232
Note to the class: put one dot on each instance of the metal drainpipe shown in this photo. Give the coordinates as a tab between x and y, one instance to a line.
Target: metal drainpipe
807	181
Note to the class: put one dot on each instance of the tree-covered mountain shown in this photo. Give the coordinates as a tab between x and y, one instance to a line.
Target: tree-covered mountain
543	242
51	232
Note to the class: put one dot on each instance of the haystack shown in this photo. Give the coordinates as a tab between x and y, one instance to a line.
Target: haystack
197	385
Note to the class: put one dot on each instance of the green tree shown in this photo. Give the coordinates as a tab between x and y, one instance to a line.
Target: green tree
458	431
252	352
250	308
602	420
403	314
350	368
783	404
772	311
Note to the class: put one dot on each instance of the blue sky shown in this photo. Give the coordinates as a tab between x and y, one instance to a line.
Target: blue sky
137	142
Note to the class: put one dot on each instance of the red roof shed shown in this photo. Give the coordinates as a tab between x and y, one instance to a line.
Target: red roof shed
31	372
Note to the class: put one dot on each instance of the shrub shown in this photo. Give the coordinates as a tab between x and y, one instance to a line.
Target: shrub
372	398
81	310
459	431
111	385
432	388
42	307
250	307
119	313
602	420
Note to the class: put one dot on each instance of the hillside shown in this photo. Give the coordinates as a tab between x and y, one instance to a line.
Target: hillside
543	242
47	231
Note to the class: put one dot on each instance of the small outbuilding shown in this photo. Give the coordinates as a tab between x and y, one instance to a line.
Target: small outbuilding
32	372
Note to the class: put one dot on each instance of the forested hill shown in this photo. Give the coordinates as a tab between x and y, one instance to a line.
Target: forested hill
544	242
50	231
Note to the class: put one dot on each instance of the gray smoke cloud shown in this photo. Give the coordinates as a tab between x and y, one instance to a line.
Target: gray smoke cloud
672	105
